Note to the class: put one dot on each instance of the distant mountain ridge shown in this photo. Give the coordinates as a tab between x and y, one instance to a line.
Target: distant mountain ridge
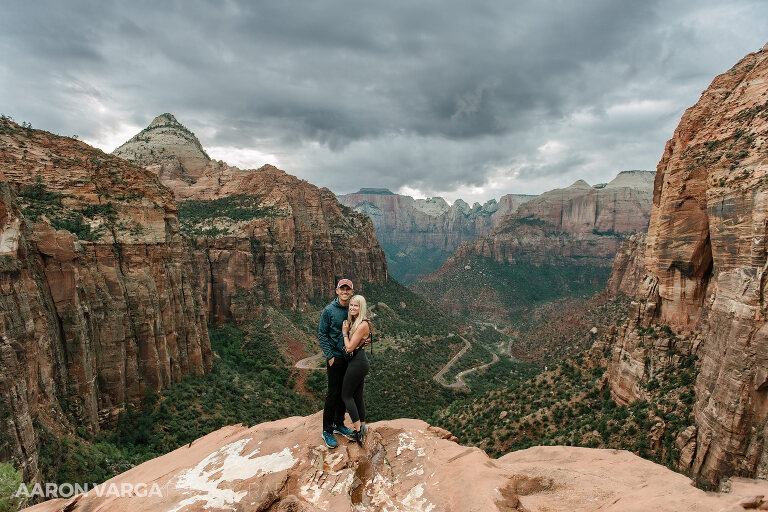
418	235
566	237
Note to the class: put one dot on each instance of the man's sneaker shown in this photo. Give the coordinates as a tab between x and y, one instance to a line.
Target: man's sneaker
362	435
346	432
330	441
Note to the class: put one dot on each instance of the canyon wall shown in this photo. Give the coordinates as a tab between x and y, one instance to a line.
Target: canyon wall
704	276
576	225
418	235
99	302
257	234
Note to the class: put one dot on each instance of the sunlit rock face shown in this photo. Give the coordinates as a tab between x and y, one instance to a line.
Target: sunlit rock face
98	298
405	465
704	270
296	245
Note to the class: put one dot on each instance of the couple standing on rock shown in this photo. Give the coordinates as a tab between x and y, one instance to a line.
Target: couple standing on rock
343	333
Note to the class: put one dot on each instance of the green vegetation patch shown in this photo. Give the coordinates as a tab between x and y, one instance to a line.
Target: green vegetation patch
197	217
568	405
506	292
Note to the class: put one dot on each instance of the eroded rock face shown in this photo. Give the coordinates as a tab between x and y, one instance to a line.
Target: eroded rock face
405	465
95	314
295	247
705	264
628	266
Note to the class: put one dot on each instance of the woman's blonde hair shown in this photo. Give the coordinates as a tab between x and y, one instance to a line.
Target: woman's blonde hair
361	316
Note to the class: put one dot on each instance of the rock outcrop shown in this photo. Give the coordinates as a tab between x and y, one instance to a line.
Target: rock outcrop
405	465
98	301
415	231
258	234
704	278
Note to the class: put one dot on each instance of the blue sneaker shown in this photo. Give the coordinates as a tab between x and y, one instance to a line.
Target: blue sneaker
346	432
330	441
362	435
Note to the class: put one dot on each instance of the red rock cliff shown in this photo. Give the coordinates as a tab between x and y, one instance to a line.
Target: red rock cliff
260	234
705	272
97	312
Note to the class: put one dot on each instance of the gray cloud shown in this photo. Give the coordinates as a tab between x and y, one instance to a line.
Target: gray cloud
453	98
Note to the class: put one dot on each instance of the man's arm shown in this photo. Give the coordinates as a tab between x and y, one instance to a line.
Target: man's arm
322	334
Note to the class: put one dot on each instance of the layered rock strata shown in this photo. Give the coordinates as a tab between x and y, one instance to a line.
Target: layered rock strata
258	234
578	225
405	465
98	302
705	273
622	206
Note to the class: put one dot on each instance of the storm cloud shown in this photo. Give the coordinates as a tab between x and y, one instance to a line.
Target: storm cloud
459	99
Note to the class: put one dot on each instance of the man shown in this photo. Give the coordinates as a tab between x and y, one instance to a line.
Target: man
332	342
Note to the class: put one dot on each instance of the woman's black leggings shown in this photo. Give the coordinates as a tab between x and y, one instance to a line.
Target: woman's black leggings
352	388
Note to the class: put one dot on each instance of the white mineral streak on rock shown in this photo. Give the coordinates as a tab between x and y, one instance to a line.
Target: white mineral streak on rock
414	504
420	452
405	442
416	470
311	492
9	237
228	465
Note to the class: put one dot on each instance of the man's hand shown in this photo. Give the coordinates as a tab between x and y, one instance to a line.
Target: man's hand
331	360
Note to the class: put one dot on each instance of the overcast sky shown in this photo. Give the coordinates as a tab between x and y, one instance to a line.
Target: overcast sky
460	99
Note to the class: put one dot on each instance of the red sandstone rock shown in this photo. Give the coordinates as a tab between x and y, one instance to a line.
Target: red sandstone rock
628	266
296	252
404	466
705	271
87	325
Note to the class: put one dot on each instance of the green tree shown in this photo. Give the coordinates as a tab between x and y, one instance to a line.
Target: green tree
10	479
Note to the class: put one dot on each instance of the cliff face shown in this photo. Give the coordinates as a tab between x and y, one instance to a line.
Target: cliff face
578	225
405	465
628	266
415	231
705	273
258	234
98	303
622	206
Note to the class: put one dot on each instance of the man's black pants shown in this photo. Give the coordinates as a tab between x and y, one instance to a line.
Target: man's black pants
334	406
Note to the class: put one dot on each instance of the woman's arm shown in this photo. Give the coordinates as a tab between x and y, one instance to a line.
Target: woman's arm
351	342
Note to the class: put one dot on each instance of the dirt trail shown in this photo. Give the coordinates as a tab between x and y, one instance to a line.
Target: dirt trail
439	375
310	363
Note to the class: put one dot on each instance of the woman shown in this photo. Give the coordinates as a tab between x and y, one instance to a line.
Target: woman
356	331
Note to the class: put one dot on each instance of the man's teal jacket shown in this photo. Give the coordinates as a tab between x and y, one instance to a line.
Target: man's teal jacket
329	332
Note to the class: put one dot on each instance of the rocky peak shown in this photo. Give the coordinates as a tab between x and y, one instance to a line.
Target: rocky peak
166	141
432	206
406	465
633	179
166	119
579	184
